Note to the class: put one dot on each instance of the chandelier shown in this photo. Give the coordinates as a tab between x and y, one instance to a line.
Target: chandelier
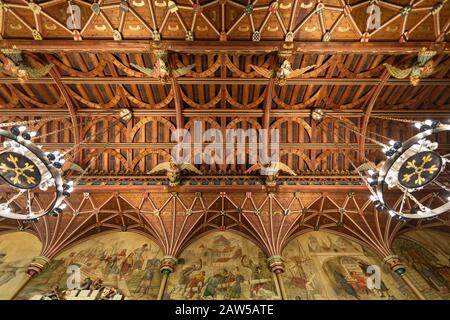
24	167
413	166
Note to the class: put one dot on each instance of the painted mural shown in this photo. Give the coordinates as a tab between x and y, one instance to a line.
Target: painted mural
427	256
13	262
325	266
222	266
126	261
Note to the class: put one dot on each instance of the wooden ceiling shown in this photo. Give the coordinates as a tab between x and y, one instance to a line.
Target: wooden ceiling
92	80
77	107
225	20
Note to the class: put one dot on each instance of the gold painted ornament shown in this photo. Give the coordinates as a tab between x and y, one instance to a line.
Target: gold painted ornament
17	67
19	171
36	35
189	36
271	171
124	6
282	73
173	171
95	7
161	69
317	114
289	37
423	67
172	6
117	35
420	169
125	115
34	7
156	35
326	37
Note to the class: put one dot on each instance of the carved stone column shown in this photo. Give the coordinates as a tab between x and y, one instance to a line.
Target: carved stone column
36	266
276	265
167	267
394	263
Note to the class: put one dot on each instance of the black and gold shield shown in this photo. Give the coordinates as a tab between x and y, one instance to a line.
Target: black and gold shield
420	169
19	171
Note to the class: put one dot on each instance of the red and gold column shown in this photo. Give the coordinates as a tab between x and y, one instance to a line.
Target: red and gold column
167	267
394	263
276	265
36	266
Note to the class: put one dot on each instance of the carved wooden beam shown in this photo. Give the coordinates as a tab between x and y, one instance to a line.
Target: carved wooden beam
72	112
268	103
169	145
356	113
140	46
225	81
368	112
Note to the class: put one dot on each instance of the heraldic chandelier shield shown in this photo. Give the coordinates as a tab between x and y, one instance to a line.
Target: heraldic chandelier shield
24	167
415	166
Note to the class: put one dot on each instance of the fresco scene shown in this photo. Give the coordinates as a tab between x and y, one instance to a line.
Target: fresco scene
126	261
427	256
325	266
14	263
222	266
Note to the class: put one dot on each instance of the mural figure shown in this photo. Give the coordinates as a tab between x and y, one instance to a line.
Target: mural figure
324	266
144	285
350	276
222	266
427	254
117	264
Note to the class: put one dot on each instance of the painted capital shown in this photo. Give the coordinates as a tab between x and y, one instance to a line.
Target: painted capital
168	264
394	263
276	264
37	265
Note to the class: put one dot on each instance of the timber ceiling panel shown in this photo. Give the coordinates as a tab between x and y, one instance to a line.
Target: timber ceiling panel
305	20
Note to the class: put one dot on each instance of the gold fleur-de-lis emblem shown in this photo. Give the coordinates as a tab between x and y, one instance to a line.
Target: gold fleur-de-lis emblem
420	169
19	171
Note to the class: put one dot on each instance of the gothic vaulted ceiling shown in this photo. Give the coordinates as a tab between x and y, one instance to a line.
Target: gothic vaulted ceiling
94	44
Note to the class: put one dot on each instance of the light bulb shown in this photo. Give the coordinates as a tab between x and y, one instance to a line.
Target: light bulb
418	125
63	206
391	142
62	161
43	186
22	128
371	172
392	213
33	134
369	180
428	122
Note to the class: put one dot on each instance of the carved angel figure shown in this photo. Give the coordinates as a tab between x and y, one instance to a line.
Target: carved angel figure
423	67
271	170
162	70
173	170
15	65
282	73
